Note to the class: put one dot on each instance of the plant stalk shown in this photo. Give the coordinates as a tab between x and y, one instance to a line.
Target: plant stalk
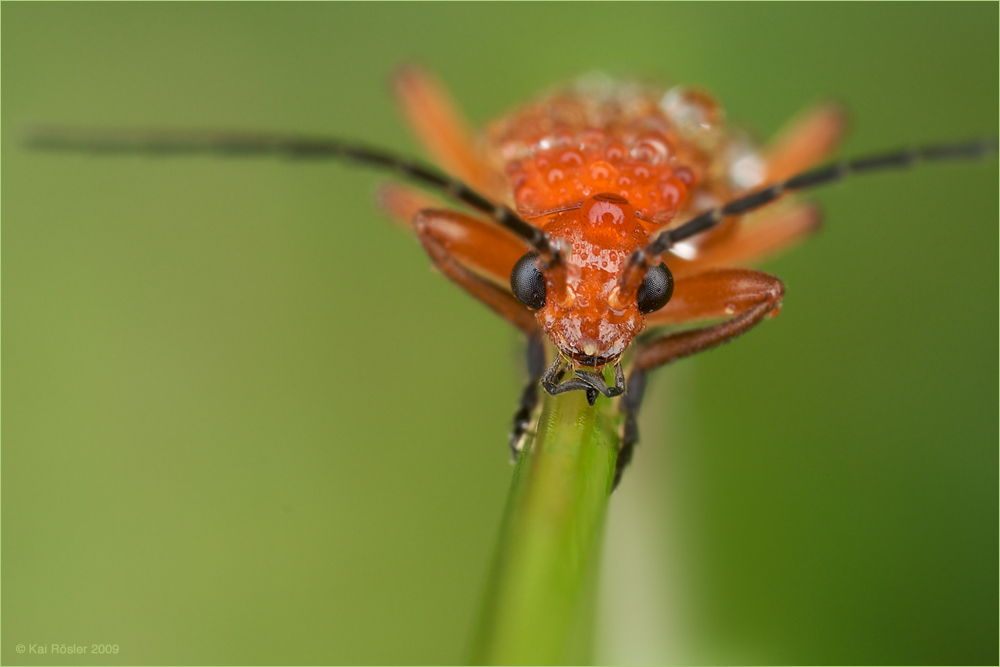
550	536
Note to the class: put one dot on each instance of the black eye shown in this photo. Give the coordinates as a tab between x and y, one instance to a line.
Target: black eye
527	282
656	289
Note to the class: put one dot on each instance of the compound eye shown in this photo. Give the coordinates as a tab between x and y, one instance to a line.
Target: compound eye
527	282
656	289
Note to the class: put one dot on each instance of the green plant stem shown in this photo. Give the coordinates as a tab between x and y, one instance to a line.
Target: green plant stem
550	538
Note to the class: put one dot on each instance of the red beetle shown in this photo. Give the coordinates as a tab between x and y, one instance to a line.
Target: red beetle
599	211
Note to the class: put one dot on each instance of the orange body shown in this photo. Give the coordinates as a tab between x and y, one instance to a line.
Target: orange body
601	167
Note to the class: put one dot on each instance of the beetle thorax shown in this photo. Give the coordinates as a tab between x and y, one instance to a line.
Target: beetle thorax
641	171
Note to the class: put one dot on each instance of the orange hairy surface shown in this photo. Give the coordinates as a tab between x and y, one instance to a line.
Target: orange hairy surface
656	149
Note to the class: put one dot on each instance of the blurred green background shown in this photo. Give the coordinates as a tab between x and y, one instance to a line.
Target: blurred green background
243	422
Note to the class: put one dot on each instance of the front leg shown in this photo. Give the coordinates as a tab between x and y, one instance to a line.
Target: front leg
552	381
458	243
751	295
596	380
629	407
529	397
744	295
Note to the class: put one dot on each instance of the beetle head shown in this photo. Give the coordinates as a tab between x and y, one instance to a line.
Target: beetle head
578	301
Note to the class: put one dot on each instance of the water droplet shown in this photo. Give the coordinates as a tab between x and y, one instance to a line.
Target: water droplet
684	250
591	139
694	111
605	213
650	149
600	171
746	168
673	193
571	158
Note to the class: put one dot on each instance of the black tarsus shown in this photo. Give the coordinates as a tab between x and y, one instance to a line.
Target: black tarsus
553	384
305	148
529	397
596	380
629	407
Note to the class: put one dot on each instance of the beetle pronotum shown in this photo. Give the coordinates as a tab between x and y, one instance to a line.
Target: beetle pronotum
598	211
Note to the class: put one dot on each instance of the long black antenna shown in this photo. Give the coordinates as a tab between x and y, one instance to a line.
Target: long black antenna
811	179
235	144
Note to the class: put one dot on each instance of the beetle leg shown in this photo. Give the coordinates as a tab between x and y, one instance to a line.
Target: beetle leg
590	382
458	243
555	372
529	397
573	384
619	379
402	202
629	407
750	295
553	384
713	294
805	142
487	249
439	125
596	380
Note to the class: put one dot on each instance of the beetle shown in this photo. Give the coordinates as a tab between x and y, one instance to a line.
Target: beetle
599	211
